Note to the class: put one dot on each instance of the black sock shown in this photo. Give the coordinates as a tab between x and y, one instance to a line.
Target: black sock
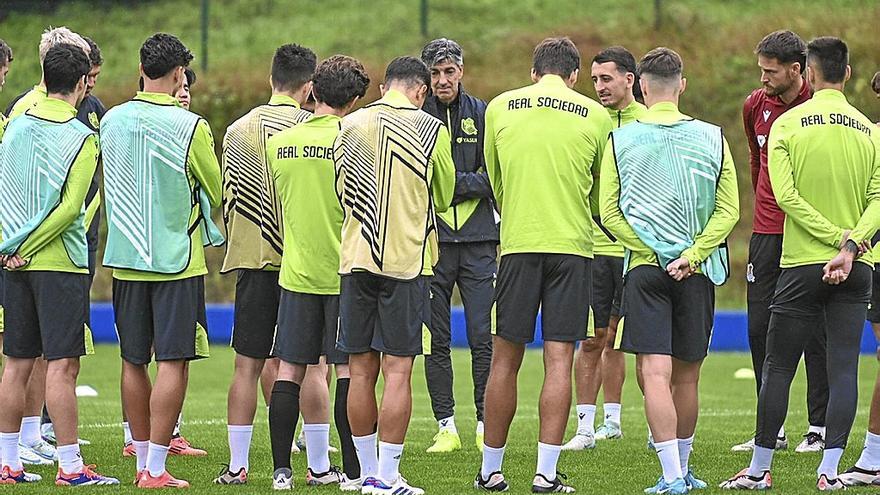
350	463
283	416
45	419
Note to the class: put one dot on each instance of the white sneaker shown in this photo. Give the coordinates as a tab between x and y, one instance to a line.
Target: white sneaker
333	475
812	442
826	485
43	449
608	430
781	444
375	486
30	457
581	441
856	476
742	481
349	485
282	479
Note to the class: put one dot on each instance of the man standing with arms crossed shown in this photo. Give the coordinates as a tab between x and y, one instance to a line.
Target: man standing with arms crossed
252	213
394	171
669	195
156	230
781	59
544	144
468	244
596	363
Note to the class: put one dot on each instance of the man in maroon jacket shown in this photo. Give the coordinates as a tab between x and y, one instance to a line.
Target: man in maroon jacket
781	59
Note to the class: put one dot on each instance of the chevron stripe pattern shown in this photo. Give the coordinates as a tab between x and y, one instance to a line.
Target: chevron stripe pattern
248	188
382	151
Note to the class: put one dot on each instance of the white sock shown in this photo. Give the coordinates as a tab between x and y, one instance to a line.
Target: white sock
9	447
447	424
389	461
817	429
830	462
69	458
318	446
480	428
781	432
669	459
367	456
239	446
612	412
762	458
870	458
684	452
176	431
141	450
126	432
30	431
492	459
586	417
156	459
548	456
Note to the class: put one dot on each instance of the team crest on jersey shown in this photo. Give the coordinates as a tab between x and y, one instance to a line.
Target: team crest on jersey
762	139
93	119
468	126
766	115
750	273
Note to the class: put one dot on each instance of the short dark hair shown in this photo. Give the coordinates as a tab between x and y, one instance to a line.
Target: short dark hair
63	67
292	66
875	82
162	53
338	80
95	57
785	46
408	70
831	56
621	57
190	76
661	63
556	56
5	53
440	50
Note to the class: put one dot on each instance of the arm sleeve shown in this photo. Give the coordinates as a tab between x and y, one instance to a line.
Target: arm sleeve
471	185
443	175
869	222
724	216
790	201
609	208
73	197
754	151
490	154
203	163
602	140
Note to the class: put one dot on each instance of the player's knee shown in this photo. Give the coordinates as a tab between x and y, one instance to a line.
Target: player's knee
63	369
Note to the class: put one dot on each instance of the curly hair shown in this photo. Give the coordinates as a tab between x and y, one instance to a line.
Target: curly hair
338	80
162	53
292	66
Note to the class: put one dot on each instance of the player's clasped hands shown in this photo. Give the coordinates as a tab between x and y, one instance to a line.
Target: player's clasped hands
680	269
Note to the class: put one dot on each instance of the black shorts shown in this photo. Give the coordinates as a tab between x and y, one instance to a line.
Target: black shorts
257	295
166	319
874	307
383	315
307	328
559	284
607	289
801	291
46	315
762	272
662	316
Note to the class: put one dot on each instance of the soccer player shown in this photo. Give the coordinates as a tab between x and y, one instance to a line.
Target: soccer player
596	363
301	163
45	253
5	64
534	136
824	164
394	171
781	59
252	213
155	238
669	195
468	238
184	96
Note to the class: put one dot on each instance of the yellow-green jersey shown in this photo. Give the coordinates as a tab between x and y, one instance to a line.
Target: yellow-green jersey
824	164
301	164
28	101
543	145
602	245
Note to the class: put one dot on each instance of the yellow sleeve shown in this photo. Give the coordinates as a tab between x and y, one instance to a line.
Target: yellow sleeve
443	173
490	154
203	163
869	222
596	167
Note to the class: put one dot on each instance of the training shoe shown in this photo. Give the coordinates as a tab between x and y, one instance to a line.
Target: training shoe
742	481
282	479
86	477
180	446
445	441
128	450
333	475
300	441
694	483
137	476
826	485
375	486
10	477
856	476
677	487
164	480
812	442
581	441
42	448
31	458
350	485
47	431
227	477
608	430
781	444
542	485
495	482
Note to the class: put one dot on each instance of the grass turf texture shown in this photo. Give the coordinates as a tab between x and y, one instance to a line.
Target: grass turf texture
615	466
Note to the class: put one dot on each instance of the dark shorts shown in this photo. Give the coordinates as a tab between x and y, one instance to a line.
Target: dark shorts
802	293
382	314
307	329
558	284
874	307
607	289
46	315
762	271
257	296
165	319
662	316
